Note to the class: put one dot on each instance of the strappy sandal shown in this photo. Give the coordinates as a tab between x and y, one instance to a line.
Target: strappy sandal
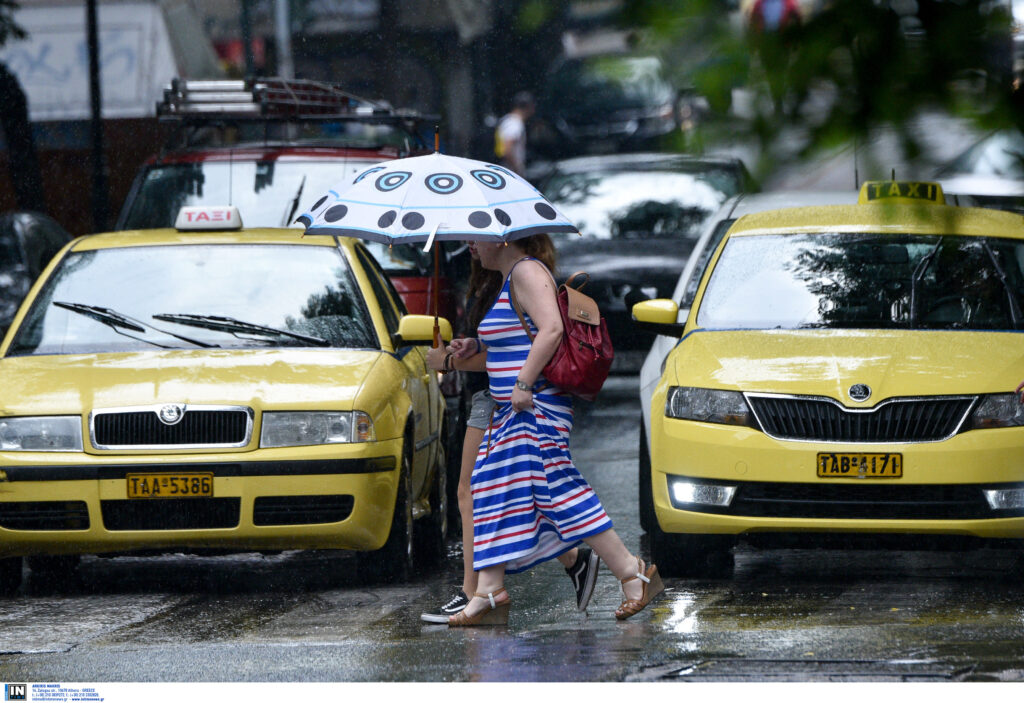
652	586
497	614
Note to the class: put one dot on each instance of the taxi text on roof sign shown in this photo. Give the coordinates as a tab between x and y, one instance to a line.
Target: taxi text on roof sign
204	217
901	190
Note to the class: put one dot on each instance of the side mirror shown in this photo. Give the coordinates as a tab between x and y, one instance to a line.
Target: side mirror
659	316
419	329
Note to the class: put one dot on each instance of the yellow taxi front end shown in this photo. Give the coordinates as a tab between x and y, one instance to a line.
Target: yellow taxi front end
241	390
845	369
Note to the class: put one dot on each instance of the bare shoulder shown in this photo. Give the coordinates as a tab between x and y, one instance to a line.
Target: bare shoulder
531	274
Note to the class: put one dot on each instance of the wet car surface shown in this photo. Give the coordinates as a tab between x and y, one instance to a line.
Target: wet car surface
787	615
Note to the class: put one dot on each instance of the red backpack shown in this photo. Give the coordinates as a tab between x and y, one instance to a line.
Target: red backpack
581	363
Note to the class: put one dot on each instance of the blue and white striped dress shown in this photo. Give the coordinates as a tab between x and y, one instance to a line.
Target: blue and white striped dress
530	503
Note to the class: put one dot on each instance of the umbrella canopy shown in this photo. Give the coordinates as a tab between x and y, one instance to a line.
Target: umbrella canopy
422	198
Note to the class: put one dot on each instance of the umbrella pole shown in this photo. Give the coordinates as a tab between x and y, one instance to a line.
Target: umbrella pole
437	285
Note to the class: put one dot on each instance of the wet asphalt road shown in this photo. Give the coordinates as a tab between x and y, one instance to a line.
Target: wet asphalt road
790	615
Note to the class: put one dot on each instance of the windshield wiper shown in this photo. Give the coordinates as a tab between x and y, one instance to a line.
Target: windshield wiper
1015	315
919	271
116	320
230	324
295	203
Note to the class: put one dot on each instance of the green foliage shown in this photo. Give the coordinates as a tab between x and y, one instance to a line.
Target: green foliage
9	29
843	71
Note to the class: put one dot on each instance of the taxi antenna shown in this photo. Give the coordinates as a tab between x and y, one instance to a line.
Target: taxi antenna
856	170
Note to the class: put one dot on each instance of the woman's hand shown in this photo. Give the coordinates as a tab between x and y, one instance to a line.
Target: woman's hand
1020	391
464	348
435	358
522	400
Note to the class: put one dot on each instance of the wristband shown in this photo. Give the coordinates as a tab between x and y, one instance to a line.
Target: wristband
523	386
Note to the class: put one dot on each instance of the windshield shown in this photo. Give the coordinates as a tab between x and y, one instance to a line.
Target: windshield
264	193
642	204
309	291
879	281
603	83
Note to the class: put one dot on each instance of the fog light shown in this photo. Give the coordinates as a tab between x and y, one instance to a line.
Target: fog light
688	492
1010	499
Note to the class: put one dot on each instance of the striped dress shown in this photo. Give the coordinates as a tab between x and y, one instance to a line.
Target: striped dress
530	503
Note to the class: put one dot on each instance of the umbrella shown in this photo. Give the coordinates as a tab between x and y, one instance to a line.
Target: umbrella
423	198
434	197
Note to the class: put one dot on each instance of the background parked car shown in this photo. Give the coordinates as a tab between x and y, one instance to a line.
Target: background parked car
273	165
28	240
639	216
603	103
991	170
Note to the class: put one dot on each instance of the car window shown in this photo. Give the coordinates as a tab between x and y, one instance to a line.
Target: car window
881	281
640	204
304	290
385	298
701	264
264	192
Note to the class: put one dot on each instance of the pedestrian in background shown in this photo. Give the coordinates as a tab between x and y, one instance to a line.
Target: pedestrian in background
510	134
530	503
468	355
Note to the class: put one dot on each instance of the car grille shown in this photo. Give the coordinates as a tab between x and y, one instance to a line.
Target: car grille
301	510
825	420
198	427
48	515
170	514
803	500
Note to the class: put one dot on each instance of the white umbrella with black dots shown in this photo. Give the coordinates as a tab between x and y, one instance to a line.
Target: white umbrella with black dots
434	197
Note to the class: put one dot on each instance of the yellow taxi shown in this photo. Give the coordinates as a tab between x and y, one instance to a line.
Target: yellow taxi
845	375
211	387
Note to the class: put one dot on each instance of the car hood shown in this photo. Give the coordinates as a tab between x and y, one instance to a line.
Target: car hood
278	379
828	362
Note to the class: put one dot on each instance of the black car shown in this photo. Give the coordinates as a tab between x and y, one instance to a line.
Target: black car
639	216
28	240
603	103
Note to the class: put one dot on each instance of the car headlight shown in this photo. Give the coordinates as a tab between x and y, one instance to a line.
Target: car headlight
293	429
41	434
998	410
706	405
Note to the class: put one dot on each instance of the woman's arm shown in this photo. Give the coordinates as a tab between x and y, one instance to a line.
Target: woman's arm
535	294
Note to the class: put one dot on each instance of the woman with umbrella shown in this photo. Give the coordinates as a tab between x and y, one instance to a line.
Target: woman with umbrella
468	356
530	504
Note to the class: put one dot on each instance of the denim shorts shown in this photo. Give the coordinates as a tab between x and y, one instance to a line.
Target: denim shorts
480	411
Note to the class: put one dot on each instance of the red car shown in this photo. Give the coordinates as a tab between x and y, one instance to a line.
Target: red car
271	148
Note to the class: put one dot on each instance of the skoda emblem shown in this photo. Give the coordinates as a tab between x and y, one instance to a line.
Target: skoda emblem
860	392
171	414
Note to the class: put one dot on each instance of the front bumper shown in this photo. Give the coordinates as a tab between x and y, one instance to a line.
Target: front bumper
941	491
303	498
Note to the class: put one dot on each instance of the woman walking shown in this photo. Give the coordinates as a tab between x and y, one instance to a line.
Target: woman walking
530	504
469	355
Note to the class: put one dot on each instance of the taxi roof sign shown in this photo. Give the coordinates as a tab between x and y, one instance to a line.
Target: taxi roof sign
207	218
901	191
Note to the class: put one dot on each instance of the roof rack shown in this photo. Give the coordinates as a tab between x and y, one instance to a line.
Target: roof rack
276	99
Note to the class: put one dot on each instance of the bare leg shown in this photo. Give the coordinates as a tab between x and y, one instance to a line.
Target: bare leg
470	447
489	580
619	560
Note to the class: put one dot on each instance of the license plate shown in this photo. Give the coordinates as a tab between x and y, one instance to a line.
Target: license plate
170	485
860	465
